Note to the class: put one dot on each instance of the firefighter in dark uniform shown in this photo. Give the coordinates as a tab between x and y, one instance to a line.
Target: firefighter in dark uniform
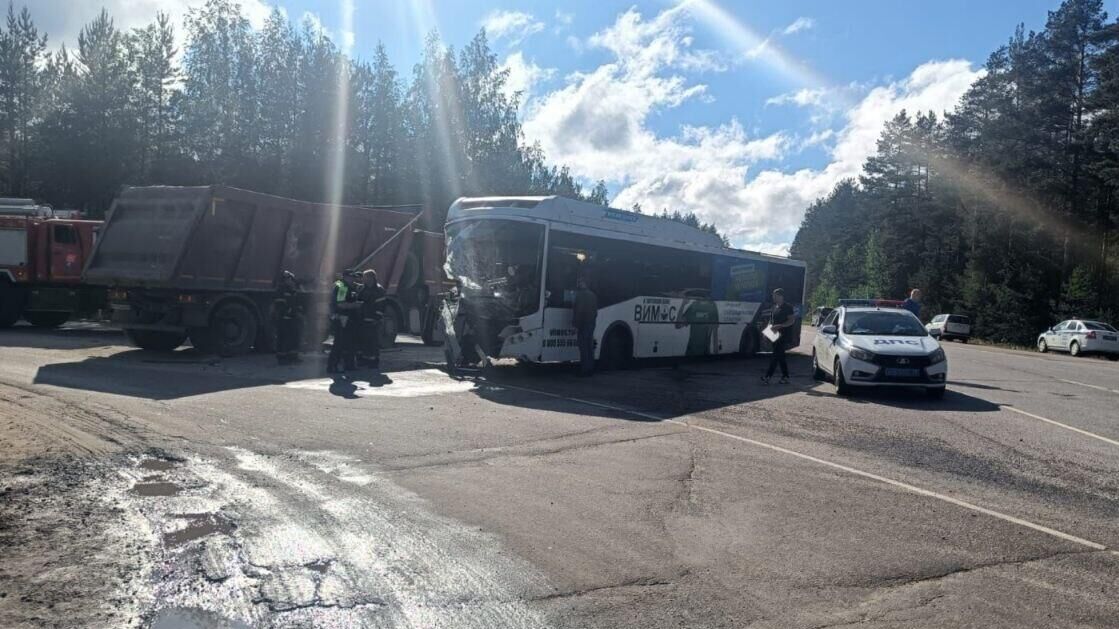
373	299
344	310
288	320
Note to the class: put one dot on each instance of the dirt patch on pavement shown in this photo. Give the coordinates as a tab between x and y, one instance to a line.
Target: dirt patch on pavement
36	425
74	550
75	555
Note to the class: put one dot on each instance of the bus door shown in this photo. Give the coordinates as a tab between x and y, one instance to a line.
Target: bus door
564	265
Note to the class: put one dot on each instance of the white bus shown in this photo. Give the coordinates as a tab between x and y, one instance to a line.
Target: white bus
664	289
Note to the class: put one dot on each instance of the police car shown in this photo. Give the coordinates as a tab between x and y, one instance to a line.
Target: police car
878	344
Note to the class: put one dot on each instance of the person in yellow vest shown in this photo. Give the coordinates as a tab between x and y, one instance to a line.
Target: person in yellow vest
343	306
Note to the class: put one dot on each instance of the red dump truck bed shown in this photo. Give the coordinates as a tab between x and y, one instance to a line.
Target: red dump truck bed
222	238
198	261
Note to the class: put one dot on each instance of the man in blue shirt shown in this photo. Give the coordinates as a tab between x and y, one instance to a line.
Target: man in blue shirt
913	302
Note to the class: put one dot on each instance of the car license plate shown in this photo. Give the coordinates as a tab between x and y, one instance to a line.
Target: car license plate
902	373
1109	337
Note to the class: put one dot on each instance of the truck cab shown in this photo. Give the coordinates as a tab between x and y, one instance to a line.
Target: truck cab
41	260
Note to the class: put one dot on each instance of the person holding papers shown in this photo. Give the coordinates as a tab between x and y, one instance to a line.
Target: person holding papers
779	323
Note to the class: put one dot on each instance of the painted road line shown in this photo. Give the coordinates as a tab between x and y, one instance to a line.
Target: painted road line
1060	425
1051	357
1090	386
850	470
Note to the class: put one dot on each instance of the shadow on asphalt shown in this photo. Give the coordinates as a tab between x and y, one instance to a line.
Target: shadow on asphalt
74	335
669	389
661	388
187	372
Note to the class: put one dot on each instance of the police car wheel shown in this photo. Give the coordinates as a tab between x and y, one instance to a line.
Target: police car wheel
817	373
841	386
1074	349
1042	346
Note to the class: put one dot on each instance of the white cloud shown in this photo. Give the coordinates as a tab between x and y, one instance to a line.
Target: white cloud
563	18
513	26
523	76
799	24
62	20
598	123
803	97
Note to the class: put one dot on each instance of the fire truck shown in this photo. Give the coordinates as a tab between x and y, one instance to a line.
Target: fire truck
41	259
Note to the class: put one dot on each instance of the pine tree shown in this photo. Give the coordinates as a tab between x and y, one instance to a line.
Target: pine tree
21	82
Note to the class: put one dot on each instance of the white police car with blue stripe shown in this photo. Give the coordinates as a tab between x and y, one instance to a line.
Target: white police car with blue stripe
871	346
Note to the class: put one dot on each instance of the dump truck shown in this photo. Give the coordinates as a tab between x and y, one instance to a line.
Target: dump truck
204	263
41	260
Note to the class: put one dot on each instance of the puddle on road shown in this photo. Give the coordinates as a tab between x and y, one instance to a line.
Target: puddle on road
320	566
157	465
151	490
192	618
199	525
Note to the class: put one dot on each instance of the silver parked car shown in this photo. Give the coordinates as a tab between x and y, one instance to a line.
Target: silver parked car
945	327
1079	336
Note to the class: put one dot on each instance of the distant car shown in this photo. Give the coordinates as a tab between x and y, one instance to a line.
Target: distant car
866	346
819	314
1080	336
946	327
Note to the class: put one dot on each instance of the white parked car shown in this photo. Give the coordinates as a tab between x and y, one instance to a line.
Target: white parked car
878	347
945	327
1080	336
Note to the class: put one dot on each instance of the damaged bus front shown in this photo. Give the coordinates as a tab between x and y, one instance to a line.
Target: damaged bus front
497	265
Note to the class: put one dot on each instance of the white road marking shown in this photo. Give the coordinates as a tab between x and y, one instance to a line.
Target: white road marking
850	470
1090	386
416	383
1052	357
1060	425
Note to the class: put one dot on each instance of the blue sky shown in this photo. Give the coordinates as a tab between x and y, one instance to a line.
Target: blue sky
743	112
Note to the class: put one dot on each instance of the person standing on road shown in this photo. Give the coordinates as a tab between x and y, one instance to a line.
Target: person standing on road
343	309
913	302
781	320
288	322
584	316
373	298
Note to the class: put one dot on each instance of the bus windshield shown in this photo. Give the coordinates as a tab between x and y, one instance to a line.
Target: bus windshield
498	260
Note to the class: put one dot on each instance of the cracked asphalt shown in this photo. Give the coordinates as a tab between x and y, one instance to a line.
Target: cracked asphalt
185	491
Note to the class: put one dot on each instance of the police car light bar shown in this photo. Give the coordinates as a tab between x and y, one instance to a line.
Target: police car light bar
871	303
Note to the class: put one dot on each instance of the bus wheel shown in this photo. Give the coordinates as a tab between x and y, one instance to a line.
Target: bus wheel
748	346
617	350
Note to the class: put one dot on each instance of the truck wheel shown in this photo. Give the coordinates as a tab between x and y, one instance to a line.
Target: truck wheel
202	340
232	330
155	340
432	319
390	326
46	318
11	303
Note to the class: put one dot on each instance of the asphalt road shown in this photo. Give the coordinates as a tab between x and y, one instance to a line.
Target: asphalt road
199	492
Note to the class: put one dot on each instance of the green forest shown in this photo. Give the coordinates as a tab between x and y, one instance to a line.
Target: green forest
280	110
1003	209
